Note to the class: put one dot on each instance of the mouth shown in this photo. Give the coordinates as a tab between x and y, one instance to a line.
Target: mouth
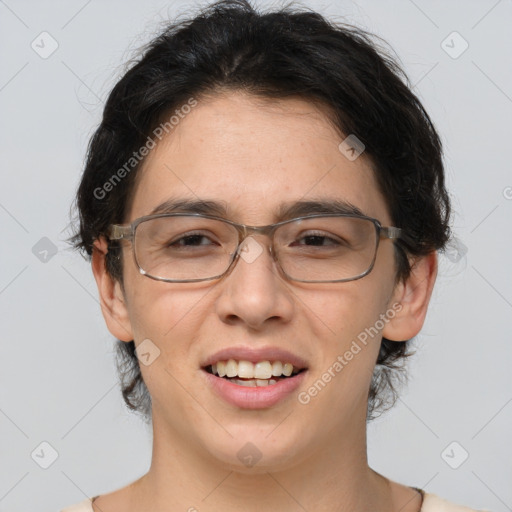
248	374
254	378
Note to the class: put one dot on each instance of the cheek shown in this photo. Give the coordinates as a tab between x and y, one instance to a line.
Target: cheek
171	316
347	329
342	312
348	345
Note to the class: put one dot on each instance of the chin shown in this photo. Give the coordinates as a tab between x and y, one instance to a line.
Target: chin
250	452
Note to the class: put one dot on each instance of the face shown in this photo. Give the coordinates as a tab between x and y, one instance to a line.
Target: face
254	156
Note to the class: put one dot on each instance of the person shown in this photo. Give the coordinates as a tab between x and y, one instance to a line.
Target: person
263	204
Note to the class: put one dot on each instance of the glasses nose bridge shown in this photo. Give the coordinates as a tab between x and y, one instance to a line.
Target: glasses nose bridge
244	231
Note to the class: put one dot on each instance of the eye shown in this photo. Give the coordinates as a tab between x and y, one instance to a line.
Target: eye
191	240
319	239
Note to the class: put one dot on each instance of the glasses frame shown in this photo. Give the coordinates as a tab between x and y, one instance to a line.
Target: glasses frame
128	231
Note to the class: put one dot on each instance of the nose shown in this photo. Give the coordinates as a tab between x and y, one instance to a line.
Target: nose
254	293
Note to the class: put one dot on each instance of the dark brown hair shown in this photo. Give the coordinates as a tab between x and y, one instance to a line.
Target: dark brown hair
288	52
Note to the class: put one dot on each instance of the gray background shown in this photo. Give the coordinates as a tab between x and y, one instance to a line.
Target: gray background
58	382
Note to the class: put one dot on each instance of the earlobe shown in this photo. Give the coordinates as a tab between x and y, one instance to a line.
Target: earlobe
112	301
413	295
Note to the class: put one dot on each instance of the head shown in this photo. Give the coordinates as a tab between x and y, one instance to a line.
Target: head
249	110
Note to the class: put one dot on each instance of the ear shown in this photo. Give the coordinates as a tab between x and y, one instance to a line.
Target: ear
413	295
112	301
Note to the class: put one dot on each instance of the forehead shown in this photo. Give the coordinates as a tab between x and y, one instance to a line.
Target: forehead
254	156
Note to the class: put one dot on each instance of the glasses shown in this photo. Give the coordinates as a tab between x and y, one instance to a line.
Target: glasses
186	248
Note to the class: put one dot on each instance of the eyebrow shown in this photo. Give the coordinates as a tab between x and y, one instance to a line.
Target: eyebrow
285	211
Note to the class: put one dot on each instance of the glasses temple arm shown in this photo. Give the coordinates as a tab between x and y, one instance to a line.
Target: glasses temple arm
397	234
118	231
391	232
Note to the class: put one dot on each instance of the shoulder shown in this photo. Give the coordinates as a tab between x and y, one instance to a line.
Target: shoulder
431	503
83	506
434	503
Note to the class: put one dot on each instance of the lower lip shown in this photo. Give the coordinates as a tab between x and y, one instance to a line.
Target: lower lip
254	397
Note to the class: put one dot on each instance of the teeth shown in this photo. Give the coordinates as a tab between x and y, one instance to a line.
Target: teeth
221	368
277	368
252	383
245	369
261	371
231	368
287	369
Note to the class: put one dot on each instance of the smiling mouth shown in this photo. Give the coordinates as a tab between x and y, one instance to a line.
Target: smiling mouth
245	373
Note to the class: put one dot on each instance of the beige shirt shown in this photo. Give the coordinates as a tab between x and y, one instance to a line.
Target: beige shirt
431	503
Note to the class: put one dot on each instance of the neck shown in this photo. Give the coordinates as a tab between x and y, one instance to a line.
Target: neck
333	476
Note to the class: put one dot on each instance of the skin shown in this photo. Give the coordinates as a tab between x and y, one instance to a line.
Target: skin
254	155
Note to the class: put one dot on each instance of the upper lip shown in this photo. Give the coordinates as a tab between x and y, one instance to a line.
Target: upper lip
255	355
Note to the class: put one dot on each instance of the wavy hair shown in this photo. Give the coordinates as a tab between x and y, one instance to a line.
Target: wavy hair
230	46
